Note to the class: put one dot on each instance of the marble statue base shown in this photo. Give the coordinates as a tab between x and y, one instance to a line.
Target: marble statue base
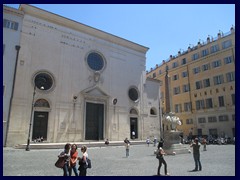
172	144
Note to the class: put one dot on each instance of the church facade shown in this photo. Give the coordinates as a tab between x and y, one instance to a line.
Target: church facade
76	83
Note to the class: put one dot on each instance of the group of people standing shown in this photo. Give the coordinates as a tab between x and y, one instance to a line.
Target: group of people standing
70	155
196	156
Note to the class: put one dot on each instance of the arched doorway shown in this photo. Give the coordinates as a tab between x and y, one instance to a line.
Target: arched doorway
40	120
133	123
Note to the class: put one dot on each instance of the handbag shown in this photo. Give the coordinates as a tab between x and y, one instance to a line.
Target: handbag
60	162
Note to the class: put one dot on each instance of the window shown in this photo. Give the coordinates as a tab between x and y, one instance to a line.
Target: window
95	61
198	84
167	68
186	88
230	76
184	61
200	104
160	72
209	103
176	90
233	99
202	120
204	52
216	63
187	106
43	81
206	83
214	48
10	24
213	133
228	60
195	56
199	132
226	44
175	77
206	67
218	79
212	119
178	108
153	111
184	74
189	121
196	70
175	64
133	112
42	103
223	118
221	101
133	94
154	75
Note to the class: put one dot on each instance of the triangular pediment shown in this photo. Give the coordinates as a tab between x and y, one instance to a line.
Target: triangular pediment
95	91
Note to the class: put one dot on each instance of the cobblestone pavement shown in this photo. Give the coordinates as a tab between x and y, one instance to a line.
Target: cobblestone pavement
218	160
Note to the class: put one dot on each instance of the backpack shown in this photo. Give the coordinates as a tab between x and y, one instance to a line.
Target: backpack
89	163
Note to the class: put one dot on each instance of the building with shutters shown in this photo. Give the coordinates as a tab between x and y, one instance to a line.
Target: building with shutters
199	86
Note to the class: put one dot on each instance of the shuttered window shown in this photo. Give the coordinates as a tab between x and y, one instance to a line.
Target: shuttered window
10	24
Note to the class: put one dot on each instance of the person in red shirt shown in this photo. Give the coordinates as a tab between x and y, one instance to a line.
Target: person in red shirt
73	160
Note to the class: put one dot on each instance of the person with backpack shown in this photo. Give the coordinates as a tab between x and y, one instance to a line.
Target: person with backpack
83	165
160	156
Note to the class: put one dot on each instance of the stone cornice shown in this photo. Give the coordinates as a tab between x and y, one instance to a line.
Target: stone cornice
13	11
36	12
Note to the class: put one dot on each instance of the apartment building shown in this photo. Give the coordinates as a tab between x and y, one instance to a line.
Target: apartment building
199	86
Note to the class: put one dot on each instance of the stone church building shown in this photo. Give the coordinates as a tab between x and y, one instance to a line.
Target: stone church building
76	83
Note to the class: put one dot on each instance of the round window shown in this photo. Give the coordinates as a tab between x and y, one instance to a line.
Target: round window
95	61
133	94
43	81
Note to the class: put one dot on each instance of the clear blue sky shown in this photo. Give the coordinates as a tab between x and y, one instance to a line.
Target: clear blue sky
164	28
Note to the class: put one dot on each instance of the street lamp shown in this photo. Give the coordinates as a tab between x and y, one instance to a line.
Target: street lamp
40	82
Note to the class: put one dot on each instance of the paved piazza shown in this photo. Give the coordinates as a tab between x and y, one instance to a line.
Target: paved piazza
218	160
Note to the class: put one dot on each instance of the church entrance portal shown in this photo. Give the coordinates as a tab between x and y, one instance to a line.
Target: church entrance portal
133	127
94	121
40	125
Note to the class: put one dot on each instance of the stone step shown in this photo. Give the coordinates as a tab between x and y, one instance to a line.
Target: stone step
45	145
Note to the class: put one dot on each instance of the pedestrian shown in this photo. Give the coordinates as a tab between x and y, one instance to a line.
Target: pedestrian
73	160
154	141
106	142
133	135
66	155
83	161
127	145
204	141
160	156
196	154
161	142
148	141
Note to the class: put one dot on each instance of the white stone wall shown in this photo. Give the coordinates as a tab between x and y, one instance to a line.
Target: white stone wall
11	38
61	51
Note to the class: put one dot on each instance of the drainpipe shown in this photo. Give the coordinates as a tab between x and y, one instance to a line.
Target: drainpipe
17	47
